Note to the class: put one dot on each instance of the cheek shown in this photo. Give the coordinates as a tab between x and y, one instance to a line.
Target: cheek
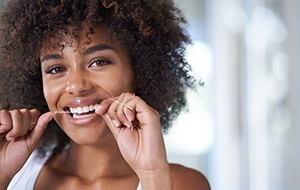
51	93
118	83
125	77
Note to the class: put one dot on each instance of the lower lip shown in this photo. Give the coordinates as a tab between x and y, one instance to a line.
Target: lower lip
83	121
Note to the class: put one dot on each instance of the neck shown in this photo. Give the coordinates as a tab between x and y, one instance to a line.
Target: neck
91	162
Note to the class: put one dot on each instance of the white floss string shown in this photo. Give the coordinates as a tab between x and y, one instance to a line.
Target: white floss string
61	112
121	103
113	99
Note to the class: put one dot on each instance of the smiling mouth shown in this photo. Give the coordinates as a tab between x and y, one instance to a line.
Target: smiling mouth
81	112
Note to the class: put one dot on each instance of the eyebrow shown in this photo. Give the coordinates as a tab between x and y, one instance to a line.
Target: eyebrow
98	48
51	56
90	50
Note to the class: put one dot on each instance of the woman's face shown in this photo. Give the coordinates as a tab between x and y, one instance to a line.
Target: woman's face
81	75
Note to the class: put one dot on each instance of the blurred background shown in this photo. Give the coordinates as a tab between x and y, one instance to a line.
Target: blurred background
242	129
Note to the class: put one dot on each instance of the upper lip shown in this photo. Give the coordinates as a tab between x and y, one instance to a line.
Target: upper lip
81	103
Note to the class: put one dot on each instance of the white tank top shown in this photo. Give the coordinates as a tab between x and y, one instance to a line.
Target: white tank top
25	179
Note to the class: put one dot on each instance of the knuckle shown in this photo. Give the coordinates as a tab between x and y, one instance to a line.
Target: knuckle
130	96
127	94
34	114
122	96
25	111
16	114
35	111
5	118
3	113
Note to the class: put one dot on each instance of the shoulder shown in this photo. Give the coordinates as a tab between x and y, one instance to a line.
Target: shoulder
187	178
26	177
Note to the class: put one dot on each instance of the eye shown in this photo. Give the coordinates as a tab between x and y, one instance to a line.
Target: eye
99	63
55	70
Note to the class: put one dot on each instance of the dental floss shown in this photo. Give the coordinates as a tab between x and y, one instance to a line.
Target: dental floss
110	97
121	103
115	100
61	112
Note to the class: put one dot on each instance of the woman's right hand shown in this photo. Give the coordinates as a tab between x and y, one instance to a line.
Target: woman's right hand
20	131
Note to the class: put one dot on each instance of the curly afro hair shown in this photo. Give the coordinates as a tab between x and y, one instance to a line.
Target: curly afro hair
152	30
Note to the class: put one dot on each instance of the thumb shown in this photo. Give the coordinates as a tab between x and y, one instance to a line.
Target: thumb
39	128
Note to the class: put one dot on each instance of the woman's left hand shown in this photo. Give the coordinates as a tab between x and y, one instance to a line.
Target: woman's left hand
137	130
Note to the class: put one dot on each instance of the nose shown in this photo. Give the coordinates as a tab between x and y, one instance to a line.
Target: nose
78	83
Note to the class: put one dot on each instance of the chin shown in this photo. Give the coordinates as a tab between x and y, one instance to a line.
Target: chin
91	137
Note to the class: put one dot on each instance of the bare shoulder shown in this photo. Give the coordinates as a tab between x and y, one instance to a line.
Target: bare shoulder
188	179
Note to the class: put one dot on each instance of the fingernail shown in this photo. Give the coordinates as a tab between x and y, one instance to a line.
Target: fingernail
116	124
127	125
97	107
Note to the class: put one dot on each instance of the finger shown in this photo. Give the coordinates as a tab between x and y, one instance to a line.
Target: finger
121	110
142	112
106	104
128	110
5	121
129	113
111	124
138	105
39	128
122	117
102	108
115	111
26	121
112	110
17	124
34	117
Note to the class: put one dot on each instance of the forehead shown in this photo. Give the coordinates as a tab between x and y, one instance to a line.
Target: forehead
82	40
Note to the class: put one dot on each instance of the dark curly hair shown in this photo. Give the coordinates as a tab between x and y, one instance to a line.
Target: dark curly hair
152	30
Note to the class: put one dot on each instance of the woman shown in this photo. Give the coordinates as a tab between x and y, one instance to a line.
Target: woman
107	77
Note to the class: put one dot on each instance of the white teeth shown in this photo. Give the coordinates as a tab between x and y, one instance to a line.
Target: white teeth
91	108
75	116
85	109
80	110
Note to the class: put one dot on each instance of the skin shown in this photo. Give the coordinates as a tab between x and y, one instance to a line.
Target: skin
106	151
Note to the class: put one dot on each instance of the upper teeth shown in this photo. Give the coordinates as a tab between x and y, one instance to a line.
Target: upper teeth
80	110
